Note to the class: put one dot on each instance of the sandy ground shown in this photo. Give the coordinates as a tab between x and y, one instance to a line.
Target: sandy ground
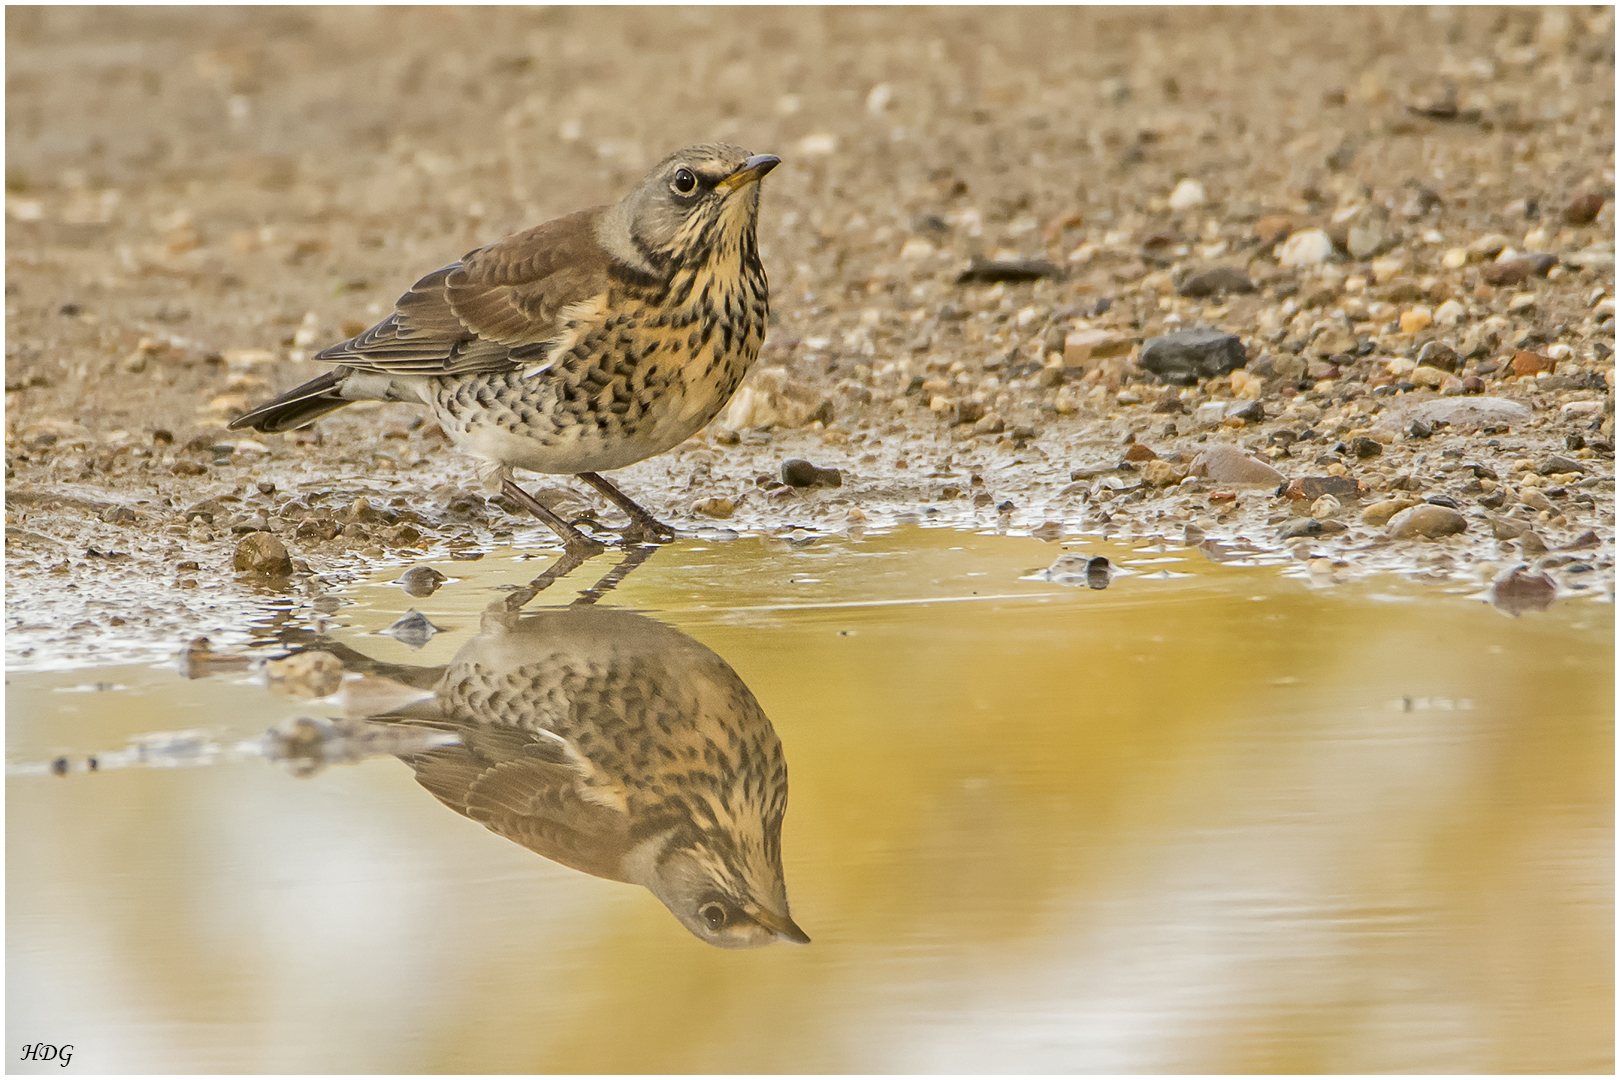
1417	203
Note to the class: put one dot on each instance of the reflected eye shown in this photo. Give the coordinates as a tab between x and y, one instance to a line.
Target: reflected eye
685	181
714	915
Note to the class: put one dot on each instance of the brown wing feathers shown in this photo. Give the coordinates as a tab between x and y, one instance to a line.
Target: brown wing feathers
469	315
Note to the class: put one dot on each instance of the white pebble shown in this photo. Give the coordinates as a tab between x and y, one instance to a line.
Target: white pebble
1307	248
1188	194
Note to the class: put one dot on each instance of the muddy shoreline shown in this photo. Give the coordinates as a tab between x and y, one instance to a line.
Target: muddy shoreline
987	230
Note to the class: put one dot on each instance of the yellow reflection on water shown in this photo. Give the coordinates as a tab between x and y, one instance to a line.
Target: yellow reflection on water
1223	822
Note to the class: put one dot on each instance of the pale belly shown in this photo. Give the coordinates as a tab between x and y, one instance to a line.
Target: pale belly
513	426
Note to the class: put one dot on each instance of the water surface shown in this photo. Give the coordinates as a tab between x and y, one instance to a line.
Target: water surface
1215	817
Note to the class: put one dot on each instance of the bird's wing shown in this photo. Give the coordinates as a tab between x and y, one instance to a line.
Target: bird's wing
498	308
505	781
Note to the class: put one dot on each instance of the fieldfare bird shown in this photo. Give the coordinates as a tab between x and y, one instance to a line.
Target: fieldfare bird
619	746
585	344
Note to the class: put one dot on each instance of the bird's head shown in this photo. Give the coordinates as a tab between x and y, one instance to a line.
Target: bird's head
697	204
729	896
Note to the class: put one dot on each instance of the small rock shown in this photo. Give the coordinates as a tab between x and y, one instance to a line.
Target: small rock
1556	464
1595	259
1472	412
1098	573
1379	513
1160	474
1363	447
1295	528
1417	429
719	506
1531	544
1210	413
1215	281
990	424
1081	347
1427	377
1306	248
1364	240
262	553
1583	209
991	271
1489	246
1507	528
307	674
1269	230
1186	356
796	472
1415	319
1437	354
1139	452
1526	362
1511	272
1223	463
1519	592
1449	313
1190	193
967	411
1426	521
420	581
1587	539
412	629
1325	508
1311	488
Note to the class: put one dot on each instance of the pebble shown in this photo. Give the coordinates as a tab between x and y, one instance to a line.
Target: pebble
719	506
262	553
1186	356
1416	319
1308	247
1188	194
1161	474
1294	528
1379	513
420	581
1223	463
1450	313
1430	378
796	472
1503	528
307	674
1472	411
992	271
1426	520
1080	347
1511	272
1531	544
990	424
1311	488
1437	354
412	629
1216	280
1518	592
1526	362
1325	508
1583	209
1363	447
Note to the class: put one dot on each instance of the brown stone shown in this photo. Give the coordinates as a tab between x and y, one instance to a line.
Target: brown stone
1526	362
1161	474
1311	488
1269	230
261	553
1584	209
1223	463
1139	452
1426	521
1512	272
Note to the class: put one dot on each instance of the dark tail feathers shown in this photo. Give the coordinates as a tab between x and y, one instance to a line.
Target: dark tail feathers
297	408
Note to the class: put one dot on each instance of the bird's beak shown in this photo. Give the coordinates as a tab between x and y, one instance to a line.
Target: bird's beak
753	169
781	925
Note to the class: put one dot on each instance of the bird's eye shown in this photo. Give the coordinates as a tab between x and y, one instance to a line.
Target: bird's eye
713	914
685	182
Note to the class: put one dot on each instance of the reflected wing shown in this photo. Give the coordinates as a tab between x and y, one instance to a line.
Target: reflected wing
497	308
517	787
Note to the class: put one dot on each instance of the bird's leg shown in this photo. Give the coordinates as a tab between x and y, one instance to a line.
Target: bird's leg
573	540
648	528
632	559
570	560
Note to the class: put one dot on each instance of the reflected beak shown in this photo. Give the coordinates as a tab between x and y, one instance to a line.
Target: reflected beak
781	925
753	169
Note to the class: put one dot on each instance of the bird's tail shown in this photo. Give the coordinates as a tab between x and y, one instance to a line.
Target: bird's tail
299	407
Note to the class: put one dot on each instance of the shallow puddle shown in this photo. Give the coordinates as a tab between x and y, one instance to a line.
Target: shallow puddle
1213	817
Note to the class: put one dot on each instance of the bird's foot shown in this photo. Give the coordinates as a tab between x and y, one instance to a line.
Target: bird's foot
643	527
575	543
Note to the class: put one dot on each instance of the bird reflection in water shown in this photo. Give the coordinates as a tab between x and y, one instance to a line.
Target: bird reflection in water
615	745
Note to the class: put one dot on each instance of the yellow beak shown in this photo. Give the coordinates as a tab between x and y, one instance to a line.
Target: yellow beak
753	169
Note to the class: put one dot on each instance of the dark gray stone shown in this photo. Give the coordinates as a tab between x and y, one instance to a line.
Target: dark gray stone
1190	355
796	472
1216	280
